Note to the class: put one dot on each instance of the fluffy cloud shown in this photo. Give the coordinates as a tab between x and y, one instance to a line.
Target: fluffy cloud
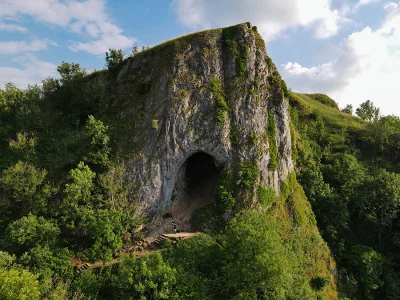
365	2
87	18
271	16
22	46
368	67
12	28
32	70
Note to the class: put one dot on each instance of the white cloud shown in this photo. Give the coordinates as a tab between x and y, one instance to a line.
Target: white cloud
22	46
368	67
32	70
271	16
13	28
87	18
99	47
361	3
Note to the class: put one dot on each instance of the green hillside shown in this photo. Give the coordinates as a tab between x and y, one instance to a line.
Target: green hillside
349	169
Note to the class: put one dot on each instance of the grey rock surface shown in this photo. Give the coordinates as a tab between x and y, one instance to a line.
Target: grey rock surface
178	114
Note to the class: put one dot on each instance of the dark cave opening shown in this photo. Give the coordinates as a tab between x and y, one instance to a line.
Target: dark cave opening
201	176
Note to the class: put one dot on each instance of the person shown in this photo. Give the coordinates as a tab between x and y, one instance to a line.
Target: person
174	223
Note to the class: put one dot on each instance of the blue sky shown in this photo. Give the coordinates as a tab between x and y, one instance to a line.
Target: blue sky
349	50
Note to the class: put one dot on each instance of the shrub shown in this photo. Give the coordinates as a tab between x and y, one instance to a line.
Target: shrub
241	52
266	195
247	175
224	191
241	58
154	124
114	58
324	99
98	140
273	149
319	282
221	107
234	136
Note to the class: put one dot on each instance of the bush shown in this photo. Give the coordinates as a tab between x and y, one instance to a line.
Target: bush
319	282
324	99
247	175
154	124
221	107
224	192
273	149
114	58
266	195
18	284
25	233
98	142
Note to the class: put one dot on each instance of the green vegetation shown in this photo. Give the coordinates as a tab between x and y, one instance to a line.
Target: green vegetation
241	51
348	109
154	124
98	146
224	191
114	58
221	107
266	195
234	136
273	149
277	85
351	175
247	175
324	99
368	112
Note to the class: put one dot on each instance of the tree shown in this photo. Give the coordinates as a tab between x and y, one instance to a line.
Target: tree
135	50
198	262
255	264
377	203
16	284
148	278
6	260
78	195
24	190
114	58
368	112
25	233
70	72
348	109
105	231
9	97
24	146
99	149
367	265
49	262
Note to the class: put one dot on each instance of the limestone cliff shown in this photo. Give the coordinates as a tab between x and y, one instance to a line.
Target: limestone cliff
215	92
205	117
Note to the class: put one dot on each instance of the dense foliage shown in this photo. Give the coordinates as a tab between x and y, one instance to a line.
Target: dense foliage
351	174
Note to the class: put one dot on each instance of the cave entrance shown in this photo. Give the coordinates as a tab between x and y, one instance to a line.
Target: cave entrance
201	177
195	185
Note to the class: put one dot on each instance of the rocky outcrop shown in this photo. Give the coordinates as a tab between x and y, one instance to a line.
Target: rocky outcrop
215	92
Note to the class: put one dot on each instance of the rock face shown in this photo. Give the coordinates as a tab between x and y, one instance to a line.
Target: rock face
215	92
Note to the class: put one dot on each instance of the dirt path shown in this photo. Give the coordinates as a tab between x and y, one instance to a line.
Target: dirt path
148	246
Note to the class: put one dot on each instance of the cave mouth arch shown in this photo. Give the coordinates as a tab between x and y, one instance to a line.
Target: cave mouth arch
194	187
201	174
